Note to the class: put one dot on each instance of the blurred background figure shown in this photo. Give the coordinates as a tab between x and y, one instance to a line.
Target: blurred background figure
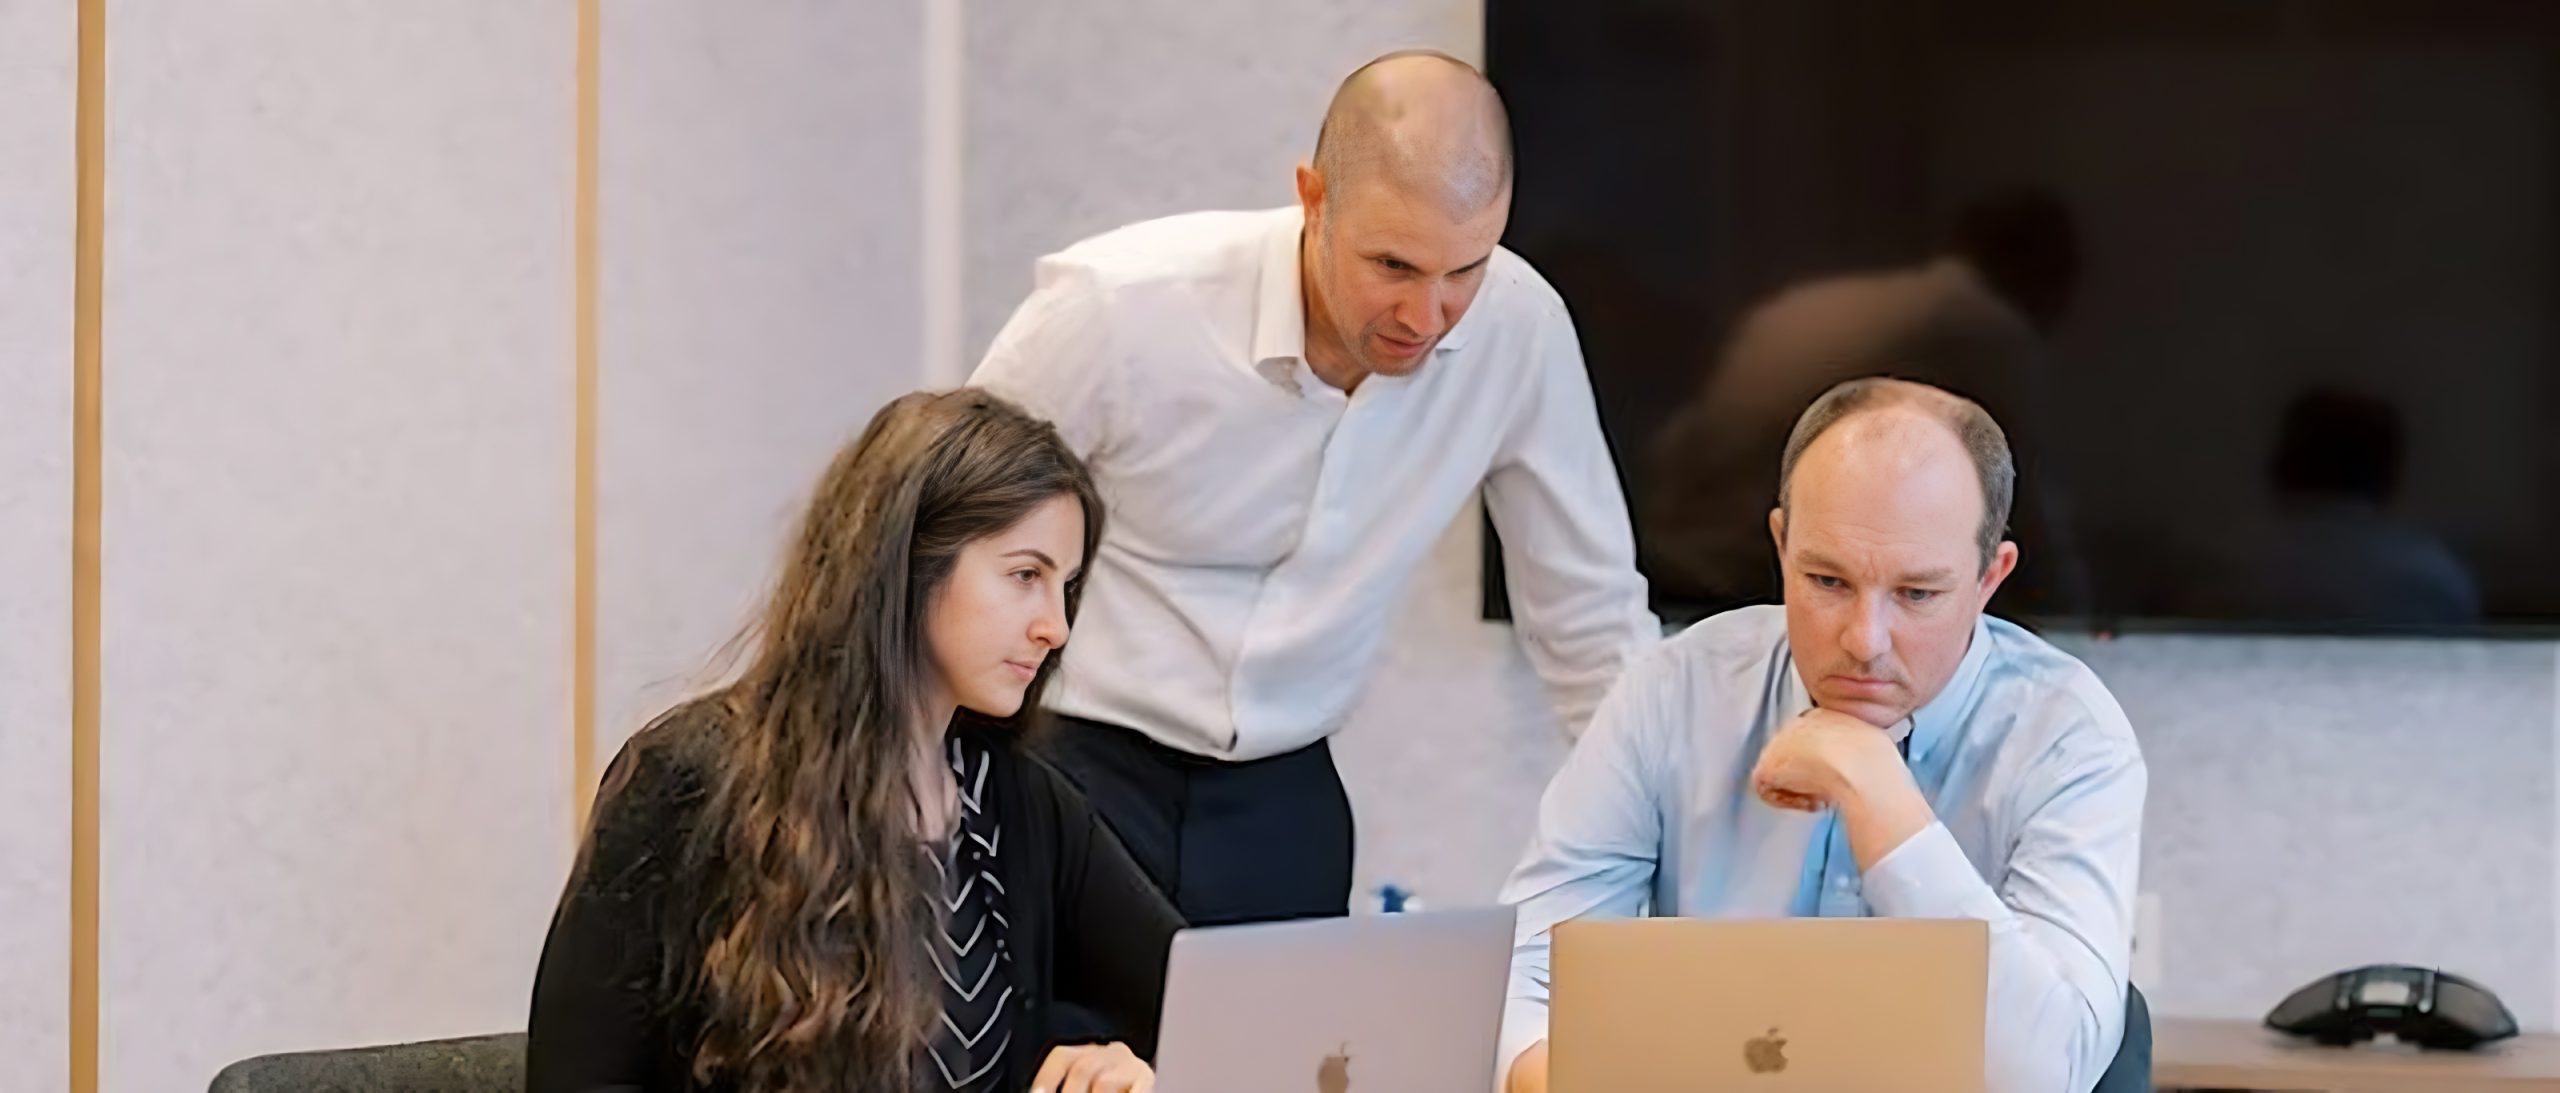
2333	547
1975	320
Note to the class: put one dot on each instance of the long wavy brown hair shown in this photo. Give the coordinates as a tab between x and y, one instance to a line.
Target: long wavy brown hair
810	965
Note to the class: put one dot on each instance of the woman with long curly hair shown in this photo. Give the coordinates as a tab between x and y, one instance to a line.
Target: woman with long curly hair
841	871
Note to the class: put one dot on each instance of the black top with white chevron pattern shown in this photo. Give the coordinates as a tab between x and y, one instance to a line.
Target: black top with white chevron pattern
975	961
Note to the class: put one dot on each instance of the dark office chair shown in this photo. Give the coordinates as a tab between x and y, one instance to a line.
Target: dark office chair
474	1064
2131	1070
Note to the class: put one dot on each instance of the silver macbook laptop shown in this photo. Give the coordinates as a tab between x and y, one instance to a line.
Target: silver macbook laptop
1408	1003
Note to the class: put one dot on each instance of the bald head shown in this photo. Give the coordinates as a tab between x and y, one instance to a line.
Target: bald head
1902	440
1423	122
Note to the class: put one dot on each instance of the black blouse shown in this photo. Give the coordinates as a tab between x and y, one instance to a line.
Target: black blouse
973	956
1078	922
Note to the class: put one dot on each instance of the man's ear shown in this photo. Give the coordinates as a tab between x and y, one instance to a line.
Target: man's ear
2004	561
1310	194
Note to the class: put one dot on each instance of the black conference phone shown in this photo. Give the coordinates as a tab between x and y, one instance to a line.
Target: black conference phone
2420	1006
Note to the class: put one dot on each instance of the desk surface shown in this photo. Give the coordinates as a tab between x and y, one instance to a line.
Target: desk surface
2190	1053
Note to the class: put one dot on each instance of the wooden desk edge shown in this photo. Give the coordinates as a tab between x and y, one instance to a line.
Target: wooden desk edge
2196	1052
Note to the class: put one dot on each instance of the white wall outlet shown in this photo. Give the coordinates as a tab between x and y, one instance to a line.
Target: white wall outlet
2149	970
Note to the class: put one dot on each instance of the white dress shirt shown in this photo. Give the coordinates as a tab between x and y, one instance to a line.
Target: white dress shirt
2025	758
1264	525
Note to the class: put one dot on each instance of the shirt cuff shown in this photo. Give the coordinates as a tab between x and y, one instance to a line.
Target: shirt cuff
1524	1023
1928	876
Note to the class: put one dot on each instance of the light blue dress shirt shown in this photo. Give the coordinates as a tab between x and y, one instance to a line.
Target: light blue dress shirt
2025	758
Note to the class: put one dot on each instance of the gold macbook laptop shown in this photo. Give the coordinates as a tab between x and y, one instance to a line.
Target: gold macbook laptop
1838	1005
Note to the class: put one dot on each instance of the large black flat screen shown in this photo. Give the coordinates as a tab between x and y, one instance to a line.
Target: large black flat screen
2266	292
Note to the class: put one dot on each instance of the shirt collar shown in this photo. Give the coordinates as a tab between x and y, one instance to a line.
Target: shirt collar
1943	717
1933	722
1280	312
1456	338
1280	309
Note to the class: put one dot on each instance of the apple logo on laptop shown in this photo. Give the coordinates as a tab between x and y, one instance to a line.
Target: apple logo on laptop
1334	1075
1765	1054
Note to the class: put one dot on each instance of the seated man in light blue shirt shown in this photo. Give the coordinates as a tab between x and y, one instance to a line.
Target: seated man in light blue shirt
1875	747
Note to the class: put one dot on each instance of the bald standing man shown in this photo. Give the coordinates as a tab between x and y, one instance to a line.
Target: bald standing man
1875	747
1285	410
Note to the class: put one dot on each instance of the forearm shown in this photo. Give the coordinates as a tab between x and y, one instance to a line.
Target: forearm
1579	632
1881	807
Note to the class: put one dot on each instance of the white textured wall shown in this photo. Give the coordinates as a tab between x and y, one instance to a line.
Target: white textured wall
36	69
337	541
760	299
2322	803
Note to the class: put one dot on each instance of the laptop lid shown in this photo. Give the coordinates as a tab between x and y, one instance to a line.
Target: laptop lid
1768	1006
1408	1003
